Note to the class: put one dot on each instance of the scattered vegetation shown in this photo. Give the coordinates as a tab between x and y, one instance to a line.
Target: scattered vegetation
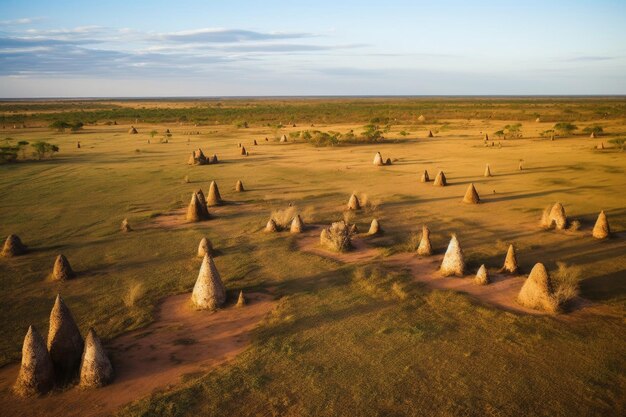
566	281
513	131
61	126
595	129
565	128
11	152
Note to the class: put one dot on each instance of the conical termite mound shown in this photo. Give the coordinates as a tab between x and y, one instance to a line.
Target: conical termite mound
241	300
196	211
239	186
601	229
510	262
95	367
554	217
271	226
297	226
62	269
430	134
440	180
375	228
487	171
214	199
482	276
538	292
205	248
453	261
13	246
65	343
36	374
425	248
425	177
378	159
208	292
471	195
353	203
125	226
243	151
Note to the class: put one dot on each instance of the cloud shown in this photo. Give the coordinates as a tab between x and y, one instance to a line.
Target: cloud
109	52
590	58
209	35
22	21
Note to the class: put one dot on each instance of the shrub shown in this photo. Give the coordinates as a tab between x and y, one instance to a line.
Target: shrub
565	128
61	125
514	130
595	129
565	281
372	133
134	293
43	149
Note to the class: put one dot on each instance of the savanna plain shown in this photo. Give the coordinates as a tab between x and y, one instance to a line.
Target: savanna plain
372	330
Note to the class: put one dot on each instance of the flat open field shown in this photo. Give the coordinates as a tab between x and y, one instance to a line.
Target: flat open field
374	331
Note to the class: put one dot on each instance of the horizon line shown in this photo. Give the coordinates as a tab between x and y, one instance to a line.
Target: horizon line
308	96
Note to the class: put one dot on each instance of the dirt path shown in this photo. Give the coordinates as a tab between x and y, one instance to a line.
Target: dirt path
501	293
181	341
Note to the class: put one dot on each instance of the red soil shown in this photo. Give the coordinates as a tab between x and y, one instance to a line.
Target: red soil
180	341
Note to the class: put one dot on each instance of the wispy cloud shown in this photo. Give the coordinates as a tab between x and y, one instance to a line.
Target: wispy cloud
22	21
209	35
100	51
590	58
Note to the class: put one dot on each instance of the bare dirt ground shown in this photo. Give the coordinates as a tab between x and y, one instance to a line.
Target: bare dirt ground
501	292
179	342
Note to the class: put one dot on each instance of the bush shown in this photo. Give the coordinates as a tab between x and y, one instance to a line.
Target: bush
61	125
564	128
514	130
372	133
44	149
10	152
565	281
595	129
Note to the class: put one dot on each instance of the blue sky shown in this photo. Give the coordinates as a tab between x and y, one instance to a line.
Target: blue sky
230	48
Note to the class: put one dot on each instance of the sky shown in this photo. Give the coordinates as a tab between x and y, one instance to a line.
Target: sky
154	48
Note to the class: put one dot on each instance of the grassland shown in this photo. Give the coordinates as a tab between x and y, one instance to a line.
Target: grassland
339	342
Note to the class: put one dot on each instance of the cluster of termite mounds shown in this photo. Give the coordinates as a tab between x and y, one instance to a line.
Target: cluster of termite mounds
554	217
379	161
197	157
295	225
65	358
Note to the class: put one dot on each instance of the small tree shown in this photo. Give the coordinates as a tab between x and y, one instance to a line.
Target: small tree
595	129
565	128
60	125
76	127
44	149
514	130
153	133
372	132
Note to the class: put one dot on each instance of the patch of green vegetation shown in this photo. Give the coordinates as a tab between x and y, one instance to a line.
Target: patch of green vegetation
595	129
565	128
